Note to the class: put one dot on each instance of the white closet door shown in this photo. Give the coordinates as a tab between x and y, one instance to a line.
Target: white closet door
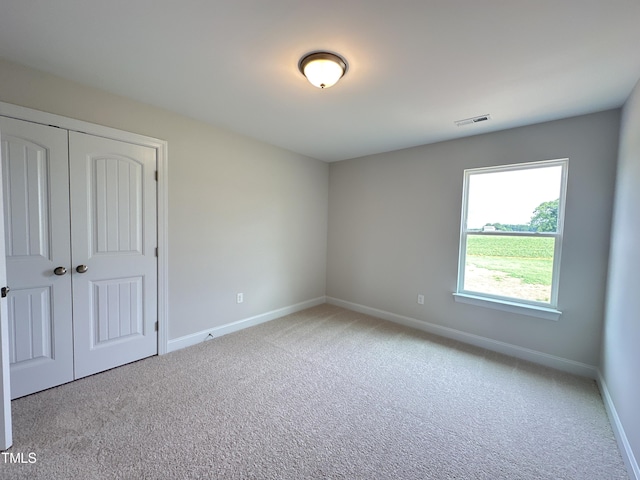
36	203
113	211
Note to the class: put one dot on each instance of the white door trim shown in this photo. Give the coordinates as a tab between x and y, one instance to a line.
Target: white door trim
36	116
6	436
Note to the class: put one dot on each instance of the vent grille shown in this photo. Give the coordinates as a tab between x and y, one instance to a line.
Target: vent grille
472	120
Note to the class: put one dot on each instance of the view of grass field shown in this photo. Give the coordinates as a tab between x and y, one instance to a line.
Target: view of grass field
510	266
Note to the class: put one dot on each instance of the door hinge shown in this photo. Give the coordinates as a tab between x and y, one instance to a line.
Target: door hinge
4	291
156	175
156	251
156	326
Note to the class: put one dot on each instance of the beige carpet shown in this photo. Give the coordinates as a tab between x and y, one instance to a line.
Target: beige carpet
324	393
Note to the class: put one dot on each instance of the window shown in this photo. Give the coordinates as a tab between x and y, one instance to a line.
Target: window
511	234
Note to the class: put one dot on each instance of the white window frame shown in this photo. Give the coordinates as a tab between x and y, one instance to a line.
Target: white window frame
512	304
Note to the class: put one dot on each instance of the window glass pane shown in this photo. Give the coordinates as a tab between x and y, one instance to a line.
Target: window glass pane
514	200
510	266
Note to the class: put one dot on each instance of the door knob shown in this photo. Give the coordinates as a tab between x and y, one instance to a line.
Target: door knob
59	270
82	268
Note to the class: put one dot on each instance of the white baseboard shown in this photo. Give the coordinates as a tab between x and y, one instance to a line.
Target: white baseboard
618	430
194	338
541	358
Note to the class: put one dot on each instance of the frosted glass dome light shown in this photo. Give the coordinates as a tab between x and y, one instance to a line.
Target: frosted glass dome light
322	69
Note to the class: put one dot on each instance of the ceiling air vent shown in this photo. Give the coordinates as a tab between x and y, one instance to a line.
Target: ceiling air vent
469	121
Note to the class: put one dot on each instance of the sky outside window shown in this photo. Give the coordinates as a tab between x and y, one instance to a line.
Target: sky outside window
510	197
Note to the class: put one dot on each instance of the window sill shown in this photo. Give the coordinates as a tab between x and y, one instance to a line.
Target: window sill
513	307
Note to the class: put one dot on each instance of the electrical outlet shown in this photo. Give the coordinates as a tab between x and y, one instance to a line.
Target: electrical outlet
420	299
240	298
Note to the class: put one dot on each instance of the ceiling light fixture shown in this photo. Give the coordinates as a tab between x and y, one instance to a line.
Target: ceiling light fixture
322	69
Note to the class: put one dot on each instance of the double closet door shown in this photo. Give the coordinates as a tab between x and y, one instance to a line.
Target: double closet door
81	238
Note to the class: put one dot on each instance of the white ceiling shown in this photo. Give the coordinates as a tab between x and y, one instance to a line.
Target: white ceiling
415	66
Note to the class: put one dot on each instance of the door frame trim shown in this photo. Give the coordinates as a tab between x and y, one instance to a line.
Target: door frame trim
6	431
161	147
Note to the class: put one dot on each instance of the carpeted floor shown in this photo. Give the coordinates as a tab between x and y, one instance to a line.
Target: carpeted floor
323	393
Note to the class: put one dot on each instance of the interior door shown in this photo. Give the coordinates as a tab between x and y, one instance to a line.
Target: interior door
114	239
36	207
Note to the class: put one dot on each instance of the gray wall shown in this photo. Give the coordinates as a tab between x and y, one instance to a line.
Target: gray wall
621	340
244	216
394	225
